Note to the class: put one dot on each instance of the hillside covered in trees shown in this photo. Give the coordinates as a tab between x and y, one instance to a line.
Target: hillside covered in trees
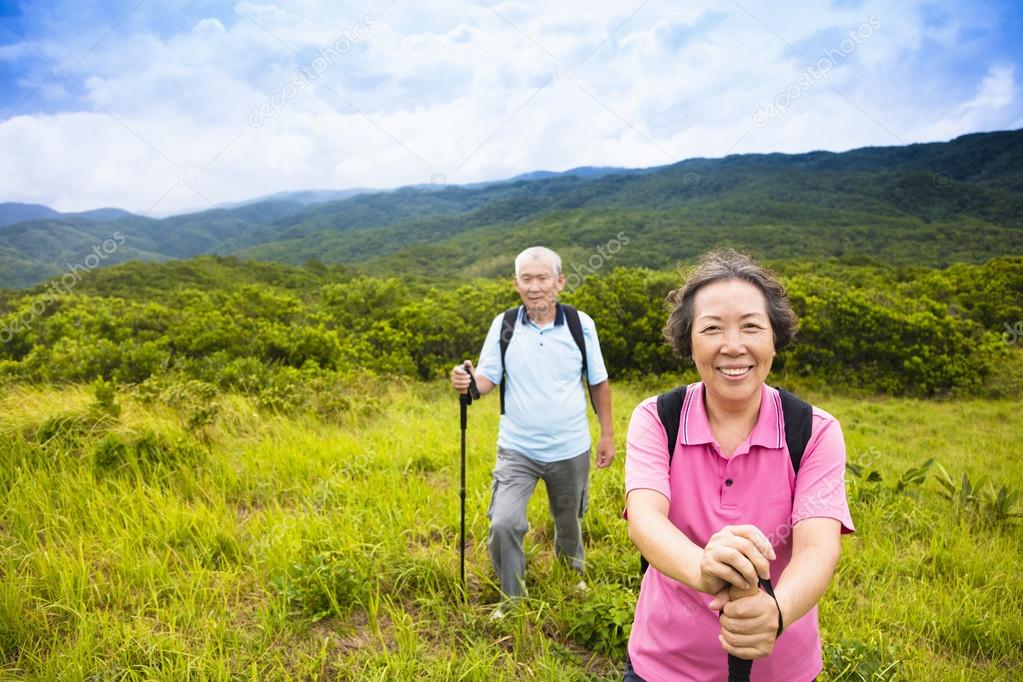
926	204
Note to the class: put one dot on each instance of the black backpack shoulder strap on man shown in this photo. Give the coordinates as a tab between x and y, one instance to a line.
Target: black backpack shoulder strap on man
507	331
575	328
796	414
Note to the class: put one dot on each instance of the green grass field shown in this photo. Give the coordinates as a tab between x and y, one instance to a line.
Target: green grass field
183	534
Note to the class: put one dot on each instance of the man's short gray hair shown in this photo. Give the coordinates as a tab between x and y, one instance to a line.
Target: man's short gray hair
541	253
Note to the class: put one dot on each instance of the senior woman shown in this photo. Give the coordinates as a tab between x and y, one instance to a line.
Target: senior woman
727	510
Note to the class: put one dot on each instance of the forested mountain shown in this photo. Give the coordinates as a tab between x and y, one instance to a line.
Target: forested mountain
11	213
930	204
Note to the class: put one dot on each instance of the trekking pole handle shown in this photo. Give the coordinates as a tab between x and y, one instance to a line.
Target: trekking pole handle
474	391
739	669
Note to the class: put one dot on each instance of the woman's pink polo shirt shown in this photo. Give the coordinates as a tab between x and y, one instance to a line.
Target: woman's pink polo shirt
674	636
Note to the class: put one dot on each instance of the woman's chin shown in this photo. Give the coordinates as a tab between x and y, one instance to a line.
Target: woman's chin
734	391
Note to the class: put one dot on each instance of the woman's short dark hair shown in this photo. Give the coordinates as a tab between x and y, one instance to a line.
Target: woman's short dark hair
718	266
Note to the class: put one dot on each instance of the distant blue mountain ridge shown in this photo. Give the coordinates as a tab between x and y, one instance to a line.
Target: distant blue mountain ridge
11	213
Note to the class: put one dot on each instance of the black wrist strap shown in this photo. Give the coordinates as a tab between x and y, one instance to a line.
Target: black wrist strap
769	588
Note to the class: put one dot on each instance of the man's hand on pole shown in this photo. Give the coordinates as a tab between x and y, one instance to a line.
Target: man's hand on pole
460	378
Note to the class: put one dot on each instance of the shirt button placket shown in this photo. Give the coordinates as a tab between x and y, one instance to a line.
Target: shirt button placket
728	494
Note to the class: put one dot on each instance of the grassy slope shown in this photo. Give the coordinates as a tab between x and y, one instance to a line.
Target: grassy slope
188	570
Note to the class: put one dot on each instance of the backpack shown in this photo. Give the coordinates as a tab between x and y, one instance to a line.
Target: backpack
575	328
797	415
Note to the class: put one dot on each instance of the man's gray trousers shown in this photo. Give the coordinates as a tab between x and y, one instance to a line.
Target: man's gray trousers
515	477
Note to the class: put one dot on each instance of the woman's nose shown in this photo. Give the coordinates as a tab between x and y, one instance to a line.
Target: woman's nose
732	341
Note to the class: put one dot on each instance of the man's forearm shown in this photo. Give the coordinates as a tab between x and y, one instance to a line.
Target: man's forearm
484	384
602	404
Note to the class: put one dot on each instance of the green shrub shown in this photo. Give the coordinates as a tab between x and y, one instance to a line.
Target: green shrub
323	584
915	331
603	620
105	404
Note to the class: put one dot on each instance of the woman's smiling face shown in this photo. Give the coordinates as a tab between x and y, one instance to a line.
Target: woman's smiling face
733	342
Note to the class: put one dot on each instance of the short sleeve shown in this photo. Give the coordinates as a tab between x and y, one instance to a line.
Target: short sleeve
596	372
646	451
820	485
489	365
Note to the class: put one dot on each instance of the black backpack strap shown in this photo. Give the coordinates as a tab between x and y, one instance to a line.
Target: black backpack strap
575	327
507	331
669	411
798	416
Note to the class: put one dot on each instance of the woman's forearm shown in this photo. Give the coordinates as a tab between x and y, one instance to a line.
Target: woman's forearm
804	581
663	545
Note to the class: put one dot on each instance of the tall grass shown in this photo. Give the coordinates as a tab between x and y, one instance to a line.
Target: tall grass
140	542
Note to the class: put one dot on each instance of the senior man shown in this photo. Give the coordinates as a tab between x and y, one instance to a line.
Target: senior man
544	433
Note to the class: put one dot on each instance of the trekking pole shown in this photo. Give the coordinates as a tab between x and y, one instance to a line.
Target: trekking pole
464	400
739	669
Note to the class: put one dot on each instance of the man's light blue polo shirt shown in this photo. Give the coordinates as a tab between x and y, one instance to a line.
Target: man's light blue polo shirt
545	401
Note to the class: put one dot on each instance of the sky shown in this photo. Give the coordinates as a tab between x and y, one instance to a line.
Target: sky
173	105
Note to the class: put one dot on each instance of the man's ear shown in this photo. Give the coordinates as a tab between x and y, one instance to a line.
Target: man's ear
561	282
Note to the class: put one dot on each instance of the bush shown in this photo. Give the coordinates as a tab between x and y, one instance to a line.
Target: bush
603	621
322	584
915	331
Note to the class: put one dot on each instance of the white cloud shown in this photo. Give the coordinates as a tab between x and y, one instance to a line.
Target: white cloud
452	88
988	109
997	90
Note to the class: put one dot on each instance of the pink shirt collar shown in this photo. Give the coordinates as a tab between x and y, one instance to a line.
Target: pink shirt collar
768	432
